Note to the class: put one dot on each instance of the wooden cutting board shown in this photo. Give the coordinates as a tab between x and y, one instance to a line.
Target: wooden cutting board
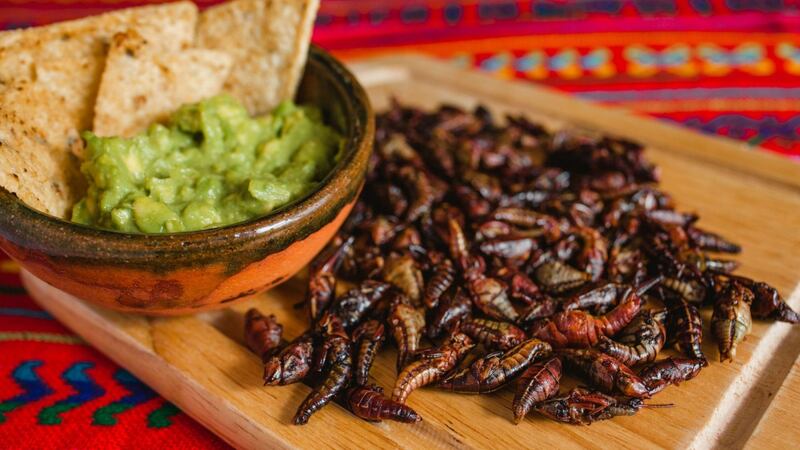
199	363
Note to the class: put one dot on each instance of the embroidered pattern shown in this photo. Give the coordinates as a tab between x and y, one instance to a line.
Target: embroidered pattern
85	388
28	380
747	57
643	61
139	393
162	417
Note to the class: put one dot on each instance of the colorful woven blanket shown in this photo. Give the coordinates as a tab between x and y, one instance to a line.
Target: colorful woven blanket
728	67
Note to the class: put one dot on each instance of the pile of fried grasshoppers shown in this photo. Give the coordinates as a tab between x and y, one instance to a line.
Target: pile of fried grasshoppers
502	255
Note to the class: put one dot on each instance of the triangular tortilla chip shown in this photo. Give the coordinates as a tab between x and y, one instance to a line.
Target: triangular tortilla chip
42	176
142	85
268	40
172	22
48	82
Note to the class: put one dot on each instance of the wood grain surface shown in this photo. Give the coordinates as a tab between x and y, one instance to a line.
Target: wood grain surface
777	428
200	364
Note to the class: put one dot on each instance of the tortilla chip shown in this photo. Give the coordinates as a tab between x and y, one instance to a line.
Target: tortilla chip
268	40
42	176
142	85
171	21
48	81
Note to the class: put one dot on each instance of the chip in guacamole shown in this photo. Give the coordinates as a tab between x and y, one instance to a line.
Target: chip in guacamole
211	165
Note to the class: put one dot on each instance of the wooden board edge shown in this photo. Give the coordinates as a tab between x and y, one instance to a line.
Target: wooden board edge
148	366
718	150
765	430
769	430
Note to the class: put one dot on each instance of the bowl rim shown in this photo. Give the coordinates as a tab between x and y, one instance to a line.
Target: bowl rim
138	246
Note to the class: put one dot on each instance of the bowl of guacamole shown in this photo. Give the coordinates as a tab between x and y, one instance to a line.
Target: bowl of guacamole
210	165
209	207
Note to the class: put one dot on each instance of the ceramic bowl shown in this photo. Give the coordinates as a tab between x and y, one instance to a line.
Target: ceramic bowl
186	272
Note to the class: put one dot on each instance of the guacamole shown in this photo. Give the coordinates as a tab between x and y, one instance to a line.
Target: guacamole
211	165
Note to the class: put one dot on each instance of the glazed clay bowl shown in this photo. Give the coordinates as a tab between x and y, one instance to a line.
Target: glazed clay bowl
187	272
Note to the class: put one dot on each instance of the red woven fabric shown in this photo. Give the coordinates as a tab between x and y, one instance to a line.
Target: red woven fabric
720	66
57	392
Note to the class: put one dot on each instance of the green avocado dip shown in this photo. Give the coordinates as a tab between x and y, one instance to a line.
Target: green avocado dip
211	165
